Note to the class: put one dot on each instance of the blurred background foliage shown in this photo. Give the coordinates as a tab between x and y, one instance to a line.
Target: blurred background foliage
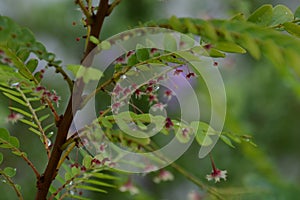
260	102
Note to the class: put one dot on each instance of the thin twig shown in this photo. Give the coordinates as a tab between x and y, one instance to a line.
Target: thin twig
83	9
60	70
12	184
112	6
37	121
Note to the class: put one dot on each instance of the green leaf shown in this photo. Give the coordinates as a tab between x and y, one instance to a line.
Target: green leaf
142	54
210	31
75	171
35	131
297	13
215	53
132	60
44	117
226	140
4	134
97	182
86	73
292	28
10	91
94	40
281	14
176	24
105	122
12	97
1	158
77	197
10	172
68	176
250	44
90	188
105	45
229	47
273	52
14	141
87	161
202	134
104	176
21	111
262	16
169	42
29	123
32	65
190	26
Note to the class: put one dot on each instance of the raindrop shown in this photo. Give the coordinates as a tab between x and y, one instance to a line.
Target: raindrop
156	87
123	76
49	142
15	84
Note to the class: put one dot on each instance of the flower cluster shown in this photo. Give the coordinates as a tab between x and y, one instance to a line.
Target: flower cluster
14	117
129	187
47	94
163	176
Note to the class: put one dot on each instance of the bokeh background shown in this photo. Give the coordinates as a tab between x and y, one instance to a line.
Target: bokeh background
260	102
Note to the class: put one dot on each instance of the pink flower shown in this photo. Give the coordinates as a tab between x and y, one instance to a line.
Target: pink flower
138	93
158	106
117	90
130	53
216	173
152	98
178	71
126	91
168	123
190	75
129	187
14	117
150	168
185	132
168	94
102	147
163	176
116	106
193	195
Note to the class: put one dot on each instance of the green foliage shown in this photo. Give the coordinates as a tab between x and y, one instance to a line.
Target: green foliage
261	35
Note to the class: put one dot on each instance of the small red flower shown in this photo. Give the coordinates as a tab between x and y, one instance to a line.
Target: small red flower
178	71
14	117
168	123
96	161
207	46
191	74
129	187
168	94
216	173
163	176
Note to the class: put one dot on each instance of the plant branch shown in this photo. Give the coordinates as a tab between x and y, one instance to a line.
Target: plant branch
60	70
12	184
23	155
112	6
96	27
37	121
83	8
44	182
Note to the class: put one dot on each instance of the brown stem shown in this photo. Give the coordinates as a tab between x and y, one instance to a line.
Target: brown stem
12	184
46	179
